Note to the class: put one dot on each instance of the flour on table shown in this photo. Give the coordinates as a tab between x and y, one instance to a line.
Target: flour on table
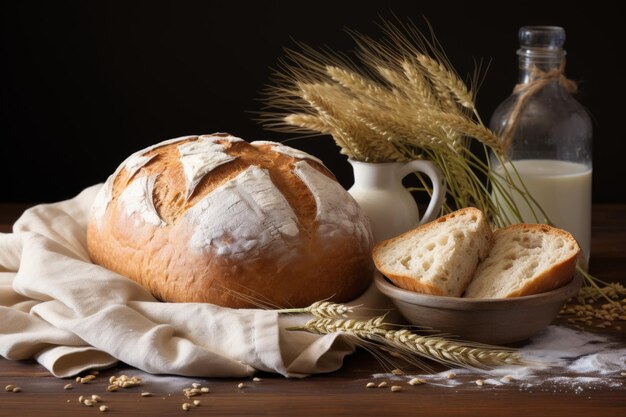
247	213
560	359
137	199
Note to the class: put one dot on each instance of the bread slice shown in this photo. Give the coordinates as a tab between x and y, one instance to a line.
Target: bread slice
439	257
525	259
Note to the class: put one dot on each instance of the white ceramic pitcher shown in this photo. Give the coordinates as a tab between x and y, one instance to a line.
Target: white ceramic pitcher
390	207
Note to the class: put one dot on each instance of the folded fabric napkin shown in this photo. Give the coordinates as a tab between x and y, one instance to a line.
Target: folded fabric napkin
72	315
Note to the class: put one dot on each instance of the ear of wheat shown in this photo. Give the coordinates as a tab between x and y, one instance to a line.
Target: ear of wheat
407	344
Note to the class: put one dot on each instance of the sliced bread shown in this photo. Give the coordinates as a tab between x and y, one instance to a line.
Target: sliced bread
525	259
439	257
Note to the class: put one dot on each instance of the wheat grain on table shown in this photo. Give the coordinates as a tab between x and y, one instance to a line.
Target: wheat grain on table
342	393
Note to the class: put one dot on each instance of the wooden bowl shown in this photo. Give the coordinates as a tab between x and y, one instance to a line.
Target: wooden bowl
493	321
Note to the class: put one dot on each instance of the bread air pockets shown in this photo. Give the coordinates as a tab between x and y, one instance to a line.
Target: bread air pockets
458	255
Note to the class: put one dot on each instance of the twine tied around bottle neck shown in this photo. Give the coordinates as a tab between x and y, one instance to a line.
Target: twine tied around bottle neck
526	90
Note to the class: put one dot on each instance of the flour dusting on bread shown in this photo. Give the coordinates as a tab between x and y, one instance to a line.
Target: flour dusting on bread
286	150
133	163
245	214
200	157
335	213
137	199
102	200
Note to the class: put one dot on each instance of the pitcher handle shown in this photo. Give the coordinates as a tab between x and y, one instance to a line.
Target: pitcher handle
439	186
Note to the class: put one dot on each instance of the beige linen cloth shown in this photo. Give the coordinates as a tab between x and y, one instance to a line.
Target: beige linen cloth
72	315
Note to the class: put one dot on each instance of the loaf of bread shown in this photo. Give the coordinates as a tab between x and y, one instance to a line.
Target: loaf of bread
439	257
525	259
219	220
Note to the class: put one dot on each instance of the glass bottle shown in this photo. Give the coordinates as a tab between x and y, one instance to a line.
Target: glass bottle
547	135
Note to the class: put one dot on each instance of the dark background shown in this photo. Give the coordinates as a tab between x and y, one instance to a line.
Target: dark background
85	84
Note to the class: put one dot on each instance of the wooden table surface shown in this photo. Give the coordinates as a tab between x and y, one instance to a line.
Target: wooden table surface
341	393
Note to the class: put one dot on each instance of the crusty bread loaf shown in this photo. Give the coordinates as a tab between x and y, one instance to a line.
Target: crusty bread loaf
439	257
525	259
216	219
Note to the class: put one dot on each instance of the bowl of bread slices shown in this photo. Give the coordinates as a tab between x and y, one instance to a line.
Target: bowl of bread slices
457	276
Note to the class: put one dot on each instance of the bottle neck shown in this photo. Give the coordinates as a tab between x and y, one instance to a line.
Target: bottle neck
535	61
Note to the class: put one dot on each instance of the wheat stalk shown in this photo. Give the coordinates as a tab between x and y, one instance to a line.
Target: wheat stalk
309	122
322	309
447	82
439	349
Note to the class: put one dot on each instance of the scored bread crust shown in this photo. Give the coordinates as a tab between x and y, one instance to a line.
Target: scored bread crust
292	270
555	276
412	284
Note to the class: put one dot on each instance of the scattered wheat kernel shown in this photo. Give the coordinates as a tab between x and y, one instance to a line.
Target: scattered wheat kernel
196	402
205	389
196	385
195	390
96	398
112	379
9	387
241	385
88	403
256	379
67	401
451	375
67	386
480	382
186	406
506	378
78	379
382	384
417	381
370	385
397	372
146	394
188	393
16	389
81	398
396	388
104	408
622	373
113	388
